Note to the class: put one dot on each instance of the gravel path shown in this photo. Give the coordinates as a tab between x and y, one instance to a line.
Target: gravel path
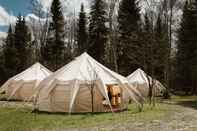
182	118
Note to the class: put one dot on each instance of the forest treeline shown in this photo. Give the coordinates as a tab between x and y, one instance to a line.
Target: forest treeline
116	34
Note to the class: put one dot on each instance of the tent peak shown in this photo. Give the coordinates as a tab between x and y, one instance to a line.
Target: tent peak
35	72
85	54
37	63
85	67
139	69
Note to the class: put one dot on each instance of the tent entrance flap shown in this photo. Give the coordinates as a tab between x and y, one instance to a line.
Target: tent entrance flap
88	97
114	94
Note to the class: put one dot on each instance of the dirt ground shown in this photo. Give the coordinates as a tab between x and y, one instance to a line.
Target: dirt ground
182	118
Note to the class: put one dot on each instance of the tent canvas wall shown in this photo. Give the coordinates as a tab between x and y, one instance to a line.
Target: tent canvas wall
82	86
23	85
140	81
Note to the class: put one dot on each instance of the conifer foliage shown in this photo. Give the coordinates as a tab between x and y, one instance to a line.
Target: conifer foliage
16	49
187	46
82	36
10	54
98	32
53	50
129	42
2	68
22	39
161	49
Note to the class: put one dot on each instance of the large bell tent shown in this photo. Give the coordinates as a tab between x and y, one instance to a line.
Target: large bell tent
140	80
85	85
23	85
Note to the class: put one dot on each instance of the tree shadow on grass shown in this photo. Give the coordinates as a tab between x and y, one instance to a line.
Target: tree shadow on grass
188	103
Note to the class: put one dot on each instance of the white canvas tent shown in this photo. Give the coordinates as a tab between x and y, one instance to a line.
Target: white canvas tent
23	85
82	86
140	81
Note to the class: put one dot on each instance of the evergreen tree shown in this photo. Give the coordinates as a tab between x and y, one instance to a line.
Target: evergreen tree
10	55
53	50
147	53
155	50
82	32
129	47
160	49
2	67
162	53
187	49
22	37
147	26
147	43
98	31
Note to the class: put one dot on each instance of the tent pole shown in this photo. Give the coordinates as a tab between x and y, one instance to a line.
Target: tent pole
92	95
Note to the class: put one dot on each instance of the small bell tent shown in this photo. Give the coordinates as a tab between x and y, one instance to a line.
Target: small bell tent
84	85
140	81
23	85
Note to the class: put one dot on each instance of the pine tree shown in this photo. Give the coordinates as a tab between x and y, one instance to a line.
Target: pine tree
22	37
187	46
10	55
98	31
129	41
147	26
147	54
160	49
82	31
155	50
2	66
53	51
162	53
147	43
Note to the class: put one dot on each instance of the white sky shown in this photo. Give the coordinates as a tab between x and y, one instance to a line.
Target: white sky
5	17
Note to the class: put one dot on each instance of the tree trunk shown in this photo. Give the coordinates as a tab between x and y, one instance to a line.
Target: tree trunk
112	36
168	63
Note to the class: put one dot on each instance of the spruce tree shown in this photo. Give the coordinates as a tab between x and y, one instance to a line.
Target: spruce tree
147	25
82	31
98	31
160	49
53	50
147	53
10	55
162	54
187	46
22	37
2	65
2	68
129	47
147	41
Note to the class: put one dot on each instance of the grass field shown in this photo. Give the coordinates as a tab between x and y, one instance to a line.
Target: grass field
22	119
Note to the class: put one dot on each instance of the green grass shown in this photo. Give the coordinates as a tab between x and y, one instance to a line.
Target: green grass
2	96
23	120
183	98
